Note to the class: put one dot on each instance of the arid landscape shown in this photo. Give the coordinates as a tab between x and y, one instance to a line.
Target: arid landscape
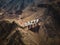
19	26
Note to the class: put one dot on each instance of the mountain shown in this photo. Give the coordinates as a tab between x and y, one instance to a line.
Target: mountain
10	5
15	4
45	32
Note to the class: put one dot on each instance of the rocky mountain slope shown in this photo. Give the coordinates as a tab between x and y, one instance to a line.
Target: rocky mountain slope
46	32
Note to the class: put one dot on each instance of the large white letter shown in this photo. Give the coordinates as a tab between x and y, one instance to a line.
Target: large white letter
37	20
29	23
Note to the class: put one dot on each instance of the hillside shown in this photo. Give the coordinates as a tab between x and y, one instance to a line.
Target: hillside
45	32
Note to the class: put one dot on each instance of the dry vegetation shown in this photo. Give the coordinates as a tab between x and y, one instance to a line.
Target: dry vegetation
48	32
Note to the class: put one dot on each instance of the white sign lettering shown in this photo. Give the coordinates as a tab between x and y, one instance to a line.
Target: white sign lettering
31	22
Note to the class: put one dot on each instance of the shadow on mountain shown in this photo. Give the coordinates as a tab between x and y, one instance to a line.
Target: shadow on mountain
35	29
6	28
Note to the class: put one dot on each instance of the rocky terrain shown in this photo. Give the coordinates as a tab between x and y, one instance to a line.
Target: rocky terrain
45	32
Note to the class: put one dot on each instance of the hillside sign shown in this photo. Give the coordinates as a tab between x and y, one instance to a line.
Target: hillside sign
31	22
